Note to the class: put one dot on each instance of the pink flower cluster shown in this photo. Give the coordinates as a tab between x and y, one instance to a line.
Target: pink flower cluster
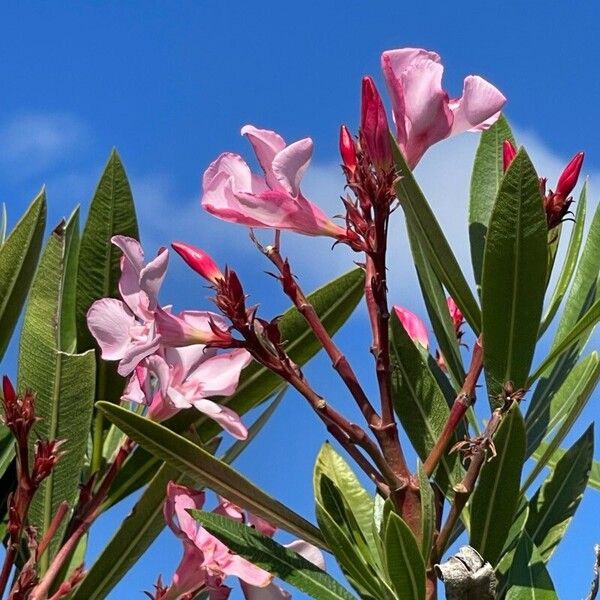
206	561
165	378
423	114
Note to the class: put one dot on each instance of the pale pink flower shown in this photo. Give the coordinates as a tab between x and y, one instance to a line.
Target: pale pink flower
180	378
192	327
206	561
233	193
124	329
423	112
413	325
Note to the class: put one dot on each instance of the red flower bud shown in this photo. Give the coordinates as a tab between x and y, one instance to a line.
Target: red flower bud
375	133
347	149
568	179
199	261
508	154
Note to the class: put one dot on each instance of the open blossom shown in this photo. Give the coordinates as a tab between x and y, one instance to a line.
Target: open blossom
206	561
413	325
233	193
180	378
423	112
124	329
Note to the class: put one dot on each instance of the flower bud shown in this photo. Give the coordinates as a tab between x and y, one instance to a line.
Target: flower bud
414	327
199	261
508	154
347	150
374	126
568	179
455	314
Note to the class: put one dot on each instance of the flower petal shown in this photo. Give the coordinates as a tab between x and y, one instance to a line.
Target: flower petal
220	374
266	144
109	320
479	106
228	419
291	163
152	276
308	551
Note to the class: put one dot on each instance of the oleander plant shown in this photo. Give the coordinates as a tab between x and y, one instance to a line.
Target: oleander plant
423	496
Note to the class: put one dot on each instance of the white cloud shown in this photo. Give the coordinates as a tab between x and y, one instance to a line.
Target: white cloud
35	142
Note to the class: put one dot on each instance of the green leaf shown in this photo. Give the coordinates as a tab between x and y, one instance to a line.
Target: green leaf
18	259
437	309
419	402
581	329
552	507
334	303
496	496
360	574
421	219
111	213
133	537
68	326
514	276
488	170
577	320
358	500
196	462
560	412
427	513
569	264
528	578
404	562
63	382
594	479
272	557
510	547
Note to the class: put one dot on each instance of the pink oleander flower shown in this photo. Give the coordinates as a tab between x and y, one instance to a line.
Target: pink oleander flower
413	325
124	329
455	315
187	377
206	561
233	193
423	112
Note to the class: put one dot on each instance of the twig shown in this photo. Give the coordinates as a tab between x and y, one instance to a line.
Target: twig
596	579
61	511
338	359
84	522
463	401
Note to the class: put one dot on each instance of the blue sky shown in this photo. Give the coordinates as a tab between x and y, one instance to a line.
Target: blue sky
171	84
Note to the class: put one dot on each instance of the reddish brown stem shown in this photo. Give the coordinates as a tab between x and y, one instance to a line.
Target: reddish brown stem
461	404
61	511
338	359
85	520
465	488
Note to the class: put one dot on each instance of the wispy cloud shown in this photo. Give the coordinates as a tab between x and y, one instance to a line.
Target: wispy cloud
33	143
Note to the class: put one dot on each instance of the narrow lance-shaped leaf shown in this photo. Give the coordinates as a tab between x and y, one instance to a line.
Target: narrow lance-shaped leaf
63	382
404	562
112	212
514	276
18	259
559	412
437	309
3	224
528	578
196	462
553	506
427	513
488	170
577	320
569	264
334	303
268	554
496	496
420	217
594	479
419	402
359	502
